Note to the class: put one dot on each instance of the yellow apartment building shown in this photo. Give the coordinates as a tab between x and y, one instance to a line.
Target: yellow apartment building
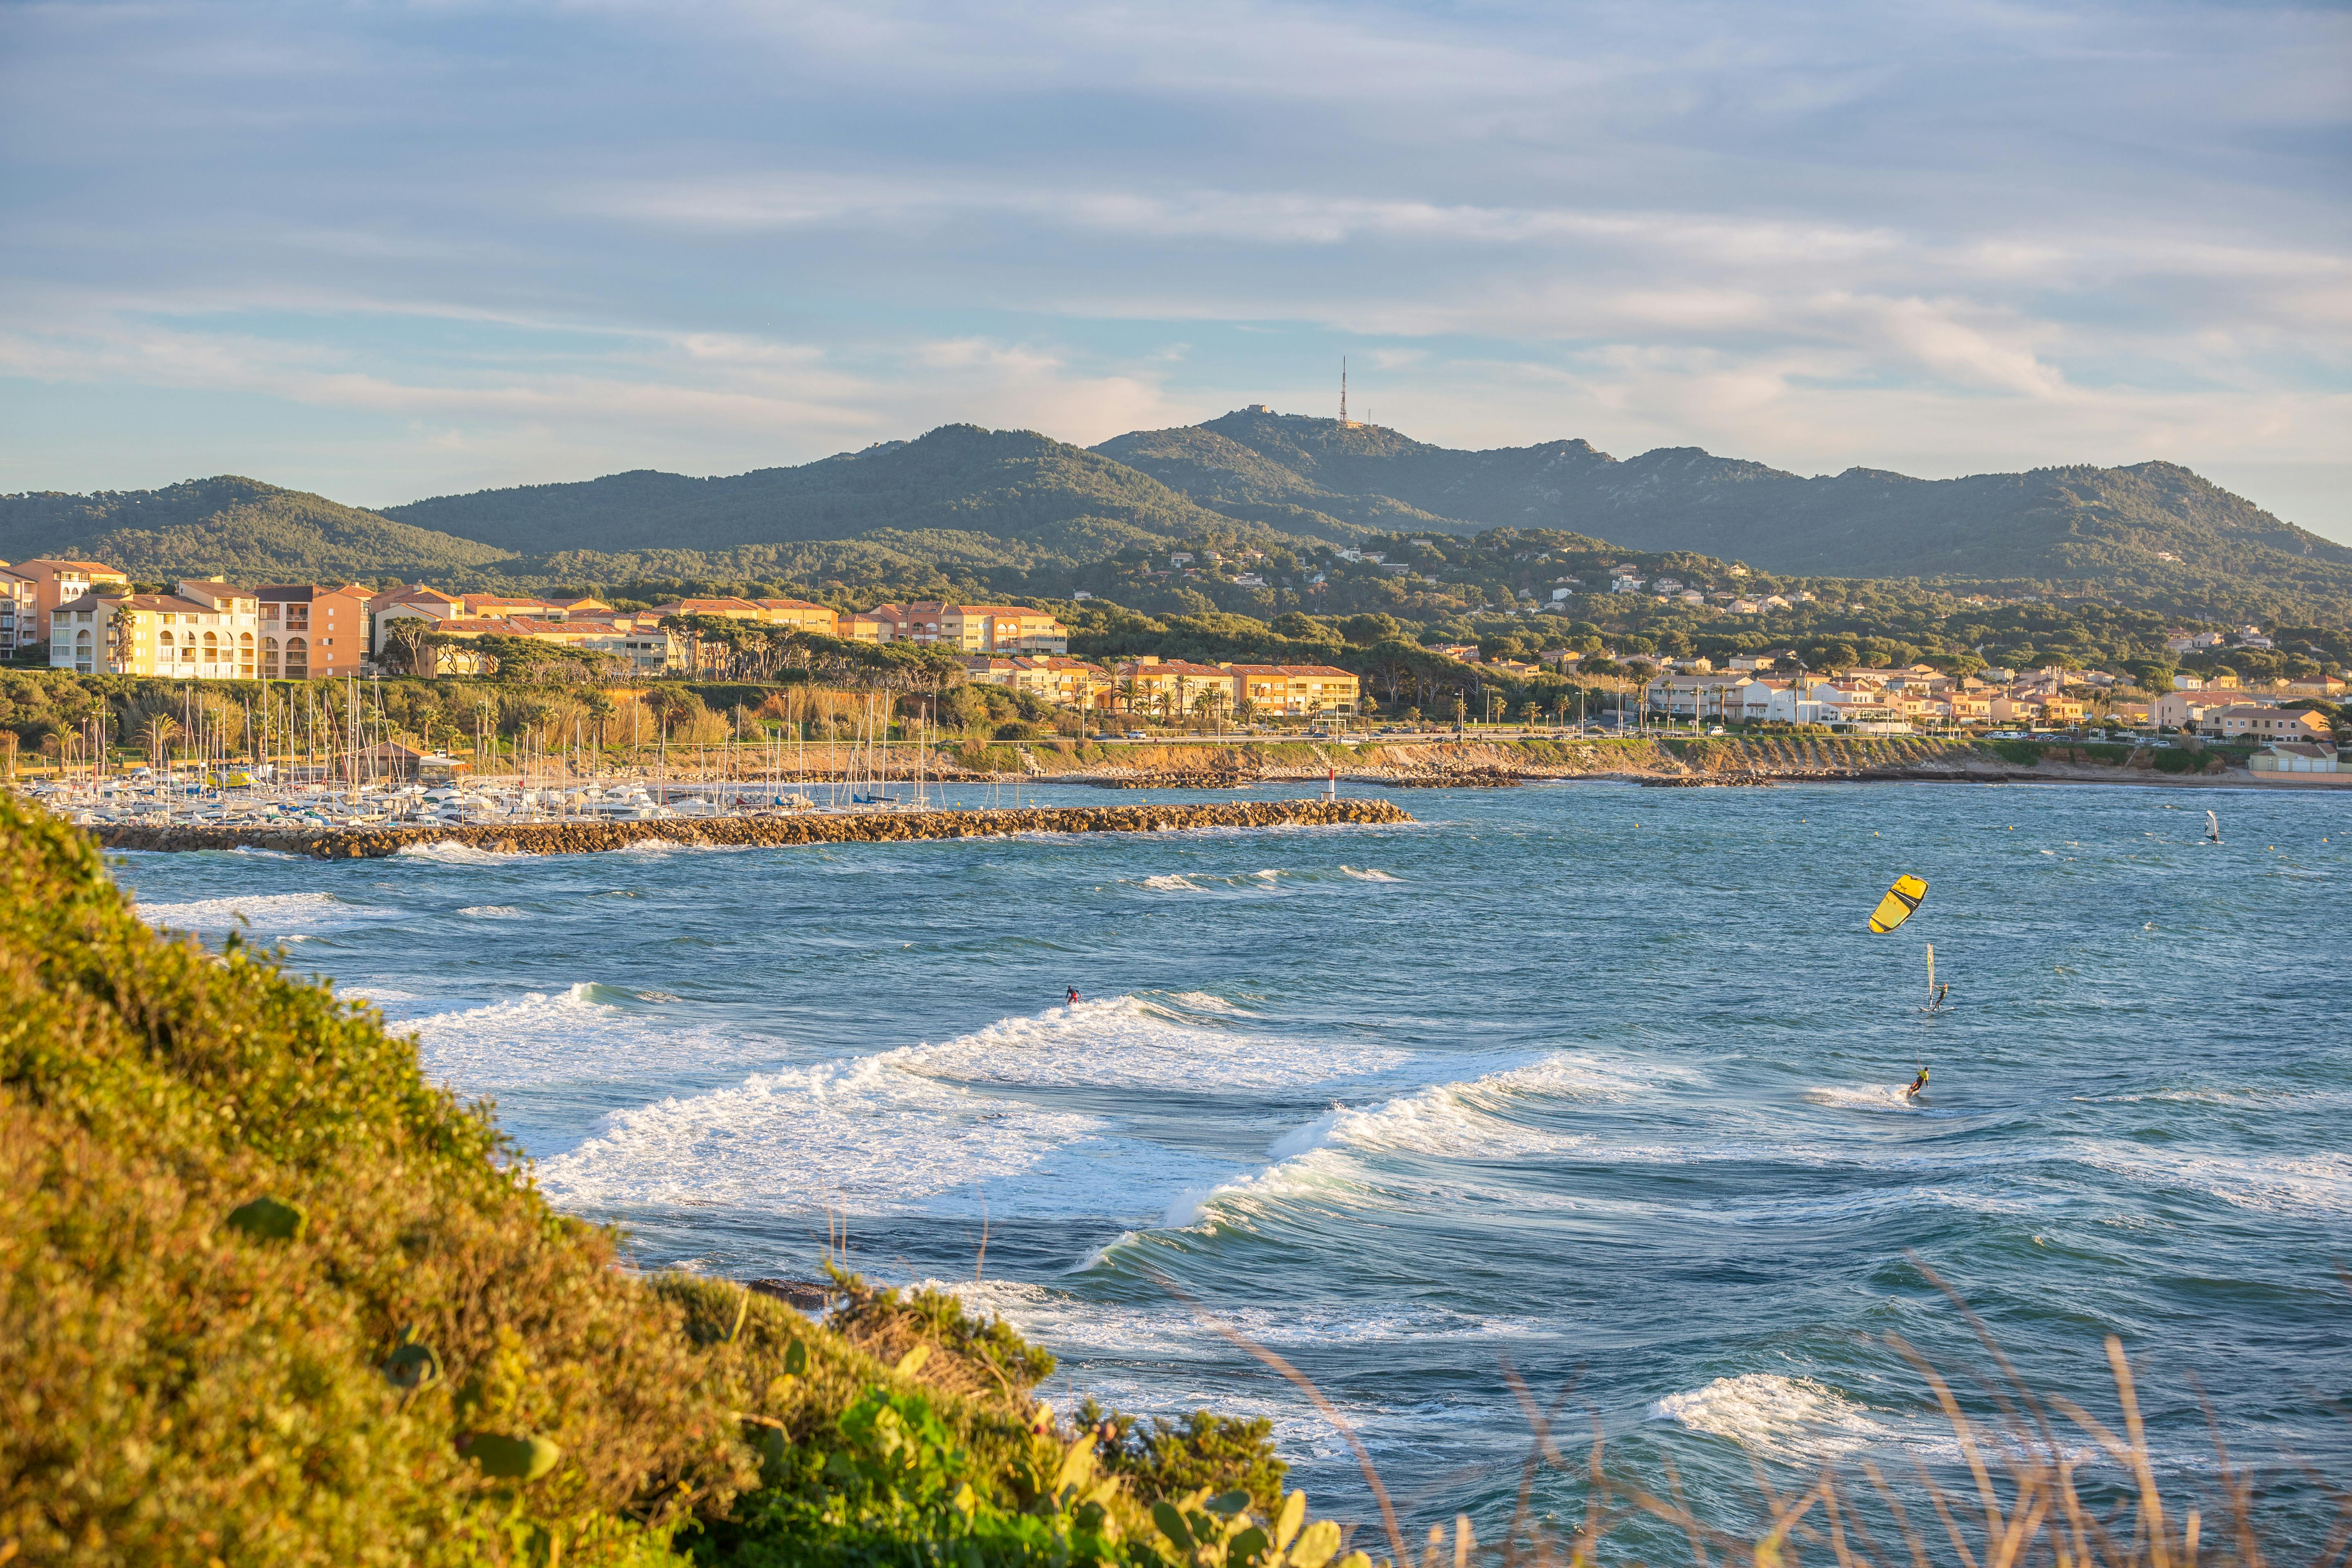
1170	687
1295	689
206	631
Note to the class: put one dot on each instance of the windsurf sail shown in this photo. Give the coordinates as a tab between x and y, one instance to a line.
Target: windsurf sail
1931	974
2212	828
1896	906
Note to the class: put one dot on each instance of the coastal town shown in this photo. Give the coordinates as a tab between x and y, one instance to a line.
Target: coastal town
208	629
86	618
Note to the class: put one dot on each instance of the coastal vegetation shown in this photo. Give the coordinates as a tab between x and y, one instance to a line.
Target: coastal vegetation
268	1295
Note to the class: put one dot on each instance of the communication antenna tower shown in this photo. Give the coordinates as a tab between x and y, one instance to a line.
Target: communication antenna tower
1343	389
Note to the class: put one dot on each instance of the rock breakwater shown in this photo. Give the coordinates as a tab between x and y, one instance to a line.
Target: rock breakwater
810	827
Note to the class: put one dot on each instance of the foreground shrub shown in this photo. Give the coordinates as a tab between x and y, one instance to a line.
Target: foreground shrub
267	1295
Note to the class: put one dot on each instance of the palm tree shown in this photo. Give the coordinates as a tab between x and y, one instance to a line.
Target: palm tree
160	731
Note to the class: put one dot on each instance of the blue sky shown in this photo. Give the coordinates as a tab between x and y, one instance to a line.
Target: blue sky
390	250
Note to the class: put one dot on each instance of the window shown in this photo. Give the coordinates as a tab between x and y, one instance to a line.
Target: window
298	659
270	658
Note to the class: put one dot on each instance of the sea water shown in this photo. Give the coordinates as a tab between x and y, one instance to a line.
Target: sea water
1593	1086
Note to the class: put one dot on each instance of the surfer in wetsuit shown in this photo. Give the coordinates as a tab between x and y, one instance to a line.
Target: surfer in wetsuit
1916	1085
1941	991
1074	995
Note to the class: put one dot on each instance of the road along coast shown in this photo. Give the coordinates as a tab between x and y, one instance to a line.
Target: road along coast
805	827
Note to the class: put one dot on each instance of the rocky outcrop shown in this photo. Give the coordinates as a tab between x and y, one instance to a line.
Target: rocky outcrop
809	827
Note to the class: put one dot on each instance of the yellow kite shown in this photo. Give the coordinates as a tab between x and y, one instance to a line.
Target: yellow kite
1896	906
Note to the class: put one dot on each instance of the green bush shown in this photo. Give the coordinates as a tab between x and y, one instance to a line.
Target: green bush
1168	1459
268	1295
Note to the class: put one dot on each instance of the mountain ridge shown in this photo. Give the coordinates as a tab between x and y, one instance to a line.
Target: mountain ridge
962	508
2115	525
234	526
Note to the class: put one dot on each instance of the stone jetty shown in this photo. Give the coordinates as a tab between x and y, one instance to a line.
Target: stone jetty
805	827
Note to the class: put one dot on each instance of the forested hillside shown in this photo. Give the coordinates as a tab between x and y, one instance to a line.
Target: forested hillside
967	512
238	528
1038	499
2154	533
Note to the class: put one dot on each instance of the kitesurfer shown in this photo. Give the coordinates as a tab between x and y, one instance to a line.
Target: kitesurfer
1074	995
1916	1085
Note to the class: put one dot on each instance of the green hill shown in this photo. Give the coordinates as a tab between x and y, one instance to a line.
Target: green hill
239	528
968	511
2154	533
979	498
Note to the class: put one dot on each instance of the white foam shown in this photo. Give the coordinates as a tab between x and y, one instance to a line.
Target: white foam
586	1032
872	1136
2319	1183
449	852
1147	1042
1367	874
1320	1159
1774	1415
276	914
1171	883
1862	1096
1202	1001
494	912
1161	1328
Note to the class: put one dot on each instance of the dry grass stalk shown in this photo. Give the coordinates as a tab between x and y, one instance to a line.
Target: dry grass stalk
2021	1506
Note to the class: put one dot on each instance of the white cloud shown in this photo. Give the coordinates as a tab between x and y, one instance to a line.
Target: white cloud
516	235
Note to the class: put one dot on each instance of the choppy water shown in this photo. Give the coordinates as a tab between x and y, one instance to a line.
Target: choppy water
1599	1081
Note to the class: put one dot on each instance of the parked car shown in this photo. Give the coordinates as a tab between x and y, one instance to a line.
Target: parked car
1138	735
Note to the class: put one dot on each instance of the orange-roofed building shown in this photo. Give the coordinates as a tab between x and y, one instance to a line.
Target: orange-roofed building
57	581
1170	687
1301	689
971	628
802	617
308	632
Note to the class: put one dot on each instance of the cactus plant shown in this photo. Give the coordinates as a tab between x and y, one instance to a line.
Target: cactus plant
1220	1533
524	1459
411	1363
